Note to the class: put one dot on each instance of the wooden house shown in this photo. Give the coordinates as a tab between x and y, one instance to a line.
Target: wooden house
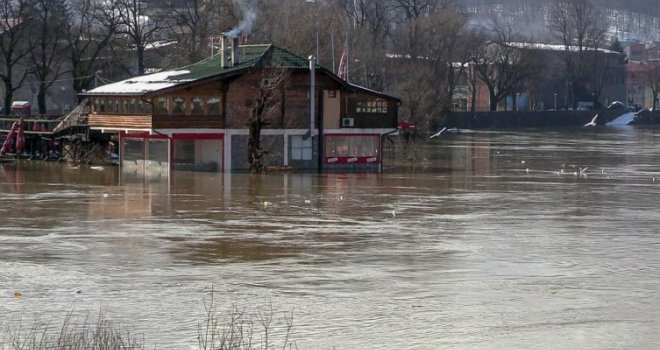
196	117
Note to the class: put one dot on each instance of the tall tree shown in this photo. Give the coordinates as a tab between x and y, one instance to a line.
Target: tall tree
192	23
139	26
653	81
46	41
13	48
90	31
261	110
504	64
580	27
431	58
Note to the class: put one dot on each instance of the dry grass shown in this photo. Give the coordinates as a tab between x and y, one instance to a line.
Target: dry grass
75	333
238	329
233	329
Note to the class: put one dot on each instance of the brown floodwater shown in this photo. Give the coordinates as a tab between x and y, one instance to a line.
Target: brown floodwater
484	240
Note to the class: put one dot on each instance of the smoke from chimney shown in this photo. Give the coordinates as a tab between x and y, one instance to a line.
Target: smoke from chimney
246	24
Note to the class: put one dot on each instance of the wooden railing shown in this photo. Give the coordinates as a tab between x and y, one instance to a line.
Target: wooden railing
47	124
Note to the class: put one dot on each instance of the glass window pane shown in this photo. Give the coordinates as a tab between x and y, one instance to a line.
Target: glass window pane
306	154
197	106
296	141
158	151
132	106
179	105
161	105
213	104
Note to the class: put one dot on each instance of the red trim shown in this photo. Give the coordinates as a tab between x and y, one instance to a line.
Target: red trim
198	136
180	136
352	159
142	135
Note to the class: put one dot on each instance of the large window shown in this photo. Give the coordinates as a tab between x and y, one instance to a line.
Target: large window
301	149
198	155
460	99
160	106
351	146
374	106
157	154
132	108
179	105
213	104
197	106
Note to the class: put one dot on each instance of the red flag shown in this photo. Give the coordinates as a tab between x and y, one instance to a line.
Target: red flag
10	141
20	137
343	64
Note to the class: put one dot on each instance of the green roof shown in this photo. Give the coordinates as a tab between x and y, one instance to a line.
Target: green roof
249	56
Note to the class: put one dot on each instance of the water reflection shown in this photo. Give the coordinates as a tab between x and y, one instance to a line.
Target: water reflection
484	244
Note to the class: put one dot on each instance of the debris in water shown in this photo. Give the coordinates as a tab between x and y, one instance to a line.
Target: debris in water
17	294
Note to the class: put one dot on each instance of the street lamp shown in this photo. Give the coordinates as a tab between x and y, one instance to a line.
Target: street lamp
317	31
555	101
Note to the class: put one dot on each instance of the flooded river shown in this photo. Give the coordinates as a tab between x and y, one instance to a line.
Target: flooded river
492	240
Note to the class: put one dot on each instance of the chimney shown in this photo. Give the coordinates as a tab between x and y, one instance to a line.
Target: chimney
224	43
234	51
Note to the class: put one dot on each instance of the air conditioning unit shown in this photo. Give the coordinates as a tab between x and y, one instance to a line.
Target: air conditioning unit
347	122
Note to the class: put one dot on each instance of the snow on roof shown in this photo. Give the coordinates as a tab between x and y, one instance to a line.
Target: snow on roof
143	84
554	47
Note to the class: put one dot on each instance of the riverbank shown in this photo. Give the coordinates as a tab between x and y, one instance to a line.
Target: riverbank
540	119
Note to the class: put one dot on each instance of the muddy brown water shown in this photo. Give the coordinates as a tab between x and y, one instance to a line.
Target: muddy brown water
492	240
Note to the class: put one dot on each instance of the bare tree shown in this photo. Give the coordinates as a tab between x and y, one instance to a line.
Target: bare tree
503	66
91	30
260	111
431	58
47	51
193	22
580	27
12	47
653	81
139	26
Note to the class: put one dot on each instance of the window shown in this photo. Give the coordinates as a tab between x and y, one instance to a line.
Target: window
111	105
97	105
213	104
179	105
101	105
197	106
144	107
132	107
161	105
125	110
375	106
351	146
117	106
301	149
460	99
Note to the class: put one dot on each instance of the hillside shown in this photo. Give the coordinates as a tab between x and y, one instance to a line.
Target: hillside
629	20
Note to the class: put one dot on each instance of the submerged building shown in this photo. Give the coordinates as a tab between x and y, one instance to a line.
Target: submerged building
198	117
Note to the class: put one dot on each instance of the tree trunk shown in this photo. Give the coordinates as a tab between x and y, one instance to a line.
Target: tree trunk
493	102
255	155
9	96
41	98
140	60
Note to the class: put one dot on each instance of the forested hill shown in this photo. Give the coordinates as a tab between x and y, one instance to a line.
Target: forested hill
629	20
651	7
